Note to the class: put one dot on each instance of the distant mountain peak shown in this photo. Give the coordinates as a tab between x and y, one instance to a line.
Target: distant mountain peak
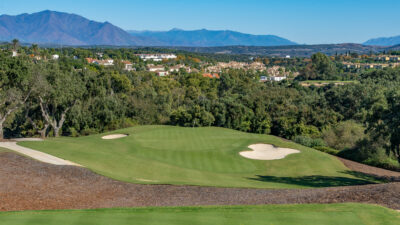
176	29
384	41
53	27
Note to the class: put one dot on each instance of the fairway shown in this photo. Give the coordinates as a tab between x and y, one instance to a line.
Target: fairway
205	156
343	214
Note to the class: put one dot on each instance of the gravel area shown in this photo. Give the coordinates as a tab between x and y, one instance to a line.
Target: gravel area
27	184
370	170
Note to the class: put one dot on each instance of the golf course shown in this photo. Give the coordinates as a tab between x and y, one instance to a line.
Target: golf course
207	156
344	214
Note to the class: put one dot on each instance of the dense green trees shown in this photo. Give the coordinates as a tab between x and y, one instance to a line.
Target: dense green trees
71	97
15	81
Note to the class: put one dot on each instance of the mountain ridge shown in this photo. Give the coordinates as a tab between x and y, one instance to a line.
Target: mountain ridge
211	38
52	27
384	41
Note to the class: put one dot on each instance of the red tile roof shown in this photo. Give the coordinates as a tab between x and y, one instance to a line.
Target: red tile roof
209	75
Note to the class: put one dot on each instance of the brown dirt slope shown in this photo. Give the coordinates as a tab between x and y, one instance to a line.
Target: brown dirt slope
26	184
374	171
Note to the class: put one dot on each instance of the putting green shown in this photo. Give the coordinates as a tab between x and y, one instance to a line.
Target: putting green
343	214
199	156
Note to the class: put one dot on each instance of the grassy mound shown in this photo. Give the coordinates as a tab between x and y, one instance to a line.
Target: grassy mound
344	214
199	156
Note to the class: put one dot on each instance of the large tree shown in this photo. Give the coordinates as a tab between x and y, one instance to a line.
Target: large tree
384	122
14	87
57	92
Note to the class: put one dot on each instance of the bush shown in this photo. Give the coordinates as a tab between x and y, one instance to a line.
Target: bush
344	136
73	132
327	150
89	131
371	152
120	123
309	142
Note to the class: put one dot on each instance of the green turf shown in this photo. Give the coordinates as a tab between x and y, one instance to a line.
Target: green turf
199	156
343	214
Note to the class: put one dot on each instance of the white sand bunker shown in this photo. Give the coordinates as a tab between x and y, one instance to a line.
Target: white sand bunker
267	152
114	136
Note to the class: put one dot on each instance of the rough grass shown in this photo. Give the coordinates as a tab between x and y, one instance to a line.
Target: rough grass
343	214
3	150
199	156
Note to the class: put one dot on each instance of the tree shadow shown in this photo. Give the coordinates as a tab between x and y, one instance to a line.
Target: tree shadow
323	181
372	177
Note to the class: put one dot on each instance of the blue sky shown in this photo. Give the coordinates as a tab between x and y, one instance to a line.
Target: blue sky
302	21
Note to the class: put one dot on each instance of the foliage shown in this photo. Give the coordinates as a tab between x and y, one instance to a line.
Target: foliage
309	142
71	97
344	135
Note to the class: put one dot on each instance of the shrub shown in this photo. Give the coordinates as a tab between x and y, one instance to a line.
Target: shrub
309	142
327	150
73	132
344	136
89	131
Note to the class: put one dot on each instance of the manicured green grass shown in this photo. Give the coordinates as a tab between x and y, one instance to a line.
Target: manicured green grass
343	214
199	156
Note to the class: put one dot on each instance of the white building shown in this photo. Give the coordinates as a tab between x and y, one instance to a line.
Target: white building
55	57
107	62
153	68
263	78
177	68
14	53
128	65
162	73
277	78
156	57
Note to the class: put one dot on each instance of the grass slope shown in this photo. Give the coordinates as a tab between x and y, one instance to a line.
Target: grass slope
343	214
198	156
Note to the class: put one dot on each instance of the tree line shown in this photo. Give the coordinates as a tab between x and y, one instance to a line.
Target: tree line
70	97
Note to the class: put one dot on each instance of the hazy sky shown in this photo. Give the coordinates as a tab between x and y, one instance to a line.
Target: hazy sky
302	21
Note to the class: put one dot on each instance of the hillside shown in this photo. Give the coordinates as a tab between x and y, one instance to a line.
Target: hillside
282	51
50	27
209	38
384	41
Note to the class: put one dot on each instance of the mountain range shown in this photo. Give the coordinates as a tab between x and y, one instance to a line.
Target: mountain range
210	38
384	41
50	27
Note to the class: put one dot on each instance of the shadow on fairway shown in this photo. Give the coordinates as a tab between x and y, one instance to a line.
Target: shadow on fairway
323	181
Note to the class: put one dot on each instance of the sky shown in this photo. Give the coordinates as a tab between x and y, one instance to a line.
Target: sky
302	21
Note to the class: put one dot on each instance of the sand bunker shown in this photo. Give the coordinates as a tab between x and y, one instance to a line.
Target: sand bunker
114	136
267	152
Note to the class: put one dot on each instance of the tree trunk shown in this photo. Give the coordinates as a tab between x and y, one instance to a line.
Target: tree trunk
1	131
52	121
56	131
43	131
